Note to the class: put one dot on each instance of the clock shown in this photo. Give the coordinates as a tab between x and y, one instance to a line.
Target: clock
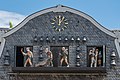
59	23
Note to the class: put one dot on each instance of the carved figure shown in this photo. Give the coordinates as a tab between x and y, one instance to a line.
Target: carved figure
92	57
49	56
64	56
29	56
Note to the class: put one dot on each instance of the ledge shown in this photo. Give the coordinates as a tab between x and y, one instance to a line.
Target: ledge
58	70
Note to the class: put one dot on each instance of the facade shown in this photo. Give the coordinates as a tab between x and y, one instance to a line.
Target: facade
60	43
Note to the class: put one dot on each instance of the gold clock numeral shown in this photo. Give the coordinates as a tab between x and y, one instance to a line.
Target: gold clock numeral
66	23
53	19
52	23
56	29
53	26
59	16
65	26
56	17
65	20
59	30
63	29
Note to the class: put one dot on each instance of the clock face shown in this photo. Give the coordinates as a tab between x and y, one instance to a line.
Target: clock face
59	23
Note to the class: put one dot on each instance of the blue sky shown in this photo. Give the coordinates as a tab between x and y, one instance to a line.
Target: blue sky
106	12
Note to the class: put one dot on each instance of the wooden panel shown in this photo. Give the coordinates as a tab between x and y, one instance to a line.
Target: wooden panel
58	70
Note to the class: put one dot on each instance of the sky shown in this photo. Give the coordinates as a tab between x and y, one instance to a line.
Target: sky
105	12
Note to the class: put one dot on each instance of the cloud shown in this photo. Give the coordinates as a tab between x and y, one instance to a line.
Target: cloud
6	17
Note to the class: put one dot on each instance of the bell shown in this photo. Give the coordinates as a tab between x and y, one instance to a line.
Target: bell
72	39
78	39
41	39
41	49
84	39
35	38
41	56
53	38
66	39
60	38
7	54
113	54
6	62
78	64
113	63
78	56
78	48
47	39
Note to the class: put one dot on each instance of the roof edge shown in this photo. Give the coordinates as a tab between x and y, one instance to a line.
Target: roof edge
2	46
59	8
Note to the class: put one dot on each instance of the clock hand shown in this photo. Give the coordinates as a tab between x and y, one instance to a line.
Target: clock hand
61	20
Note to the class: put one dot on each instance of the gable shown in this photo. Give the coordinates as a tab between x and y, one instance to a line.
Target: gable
59	9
